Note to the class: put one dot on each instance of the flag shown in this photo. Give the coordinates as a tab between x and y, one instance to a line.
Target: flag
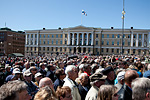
84	13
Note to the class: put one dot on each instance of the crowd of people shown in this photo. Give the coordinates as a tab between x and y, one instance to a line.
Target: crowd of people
75	77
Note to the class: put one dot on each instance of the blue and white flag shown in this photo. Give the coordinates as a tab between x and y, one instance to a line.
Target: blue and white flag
84	13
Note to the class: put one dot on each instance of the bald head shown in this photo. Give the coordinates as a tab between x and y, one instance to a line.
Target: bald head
46	82
130	75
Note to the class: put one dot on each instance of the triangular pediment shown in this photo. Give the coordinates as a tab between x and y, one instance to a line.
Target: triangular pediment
80	27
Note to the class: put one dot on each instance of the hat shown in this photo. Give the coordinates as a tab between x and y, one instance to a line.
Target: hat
120	75
16	71
27	73
7	66
107	70
85	57
146	74
97	76
81	66
37	75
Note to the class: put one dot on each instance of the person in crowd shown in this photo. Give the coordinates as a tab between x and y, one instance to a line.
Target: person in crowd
42	69
80	69
2	76
125	93
83	85
64	93
27	66
38	77
107	92
87	69
33	70
71	74
31	87
46	81
50	72
109	71
141	89
120	78
147	73
45	93
14	90
94	67
97	79
60	74
7	70
16	75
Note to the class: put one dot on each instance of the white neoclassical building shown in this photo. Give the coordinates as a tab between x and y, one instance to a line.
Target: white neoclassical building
87	40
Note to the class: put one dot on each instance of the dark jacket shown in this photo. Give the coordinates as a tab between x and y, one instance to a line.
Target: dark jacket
57	83
125	93
82	91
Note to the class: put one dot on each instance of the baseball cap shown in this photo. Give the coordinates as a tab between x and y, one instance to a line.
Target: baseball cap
97	76
120	75
37	75
27	73
16	71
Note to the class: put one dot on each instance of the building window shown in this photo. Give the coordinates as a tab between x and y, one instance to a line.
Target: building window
96	42
48	36
61	36
39	48
112	42
52	48
35	35
117	50
118	36
107	50
47	48
52	36
56	48
89	50
107	42
133	43
60	48
44	35
65	49
65	35
102	35
57	36
47	41
107	35
43	41
123	42
34	48
56	41
31	35
40	41
134	36
128	43
133	51
43	48
128	36
113	36
117	42
65	41
96	35
52	42
140	44
140	36
40	36
102	42
60	41
112	50
102	50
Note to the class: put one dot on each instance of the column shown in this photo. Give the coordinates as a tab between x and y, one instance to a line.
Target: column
37	39
77	38
33	39
87	39
73	39
29	39
148	39
143	40
68	38
137	40
26	39
82	38
132	39
92	39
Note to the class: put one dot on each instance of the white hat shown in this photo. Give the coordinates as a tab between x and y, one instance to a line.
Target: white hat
81	66
120	75
37	75
16	71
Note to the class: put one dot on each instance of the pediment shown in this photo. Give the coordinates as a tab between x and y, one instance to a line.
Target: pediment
80	27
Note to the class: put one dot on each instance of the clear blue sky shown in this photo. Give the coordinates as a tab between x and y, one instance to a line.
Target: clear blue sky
51	14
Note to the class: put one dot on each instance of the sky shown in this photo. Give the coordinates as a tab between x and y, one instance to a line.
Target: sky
23	15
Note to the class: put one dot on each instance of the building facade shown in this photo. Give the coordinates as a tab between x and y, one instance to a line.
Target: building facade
11	41
81	39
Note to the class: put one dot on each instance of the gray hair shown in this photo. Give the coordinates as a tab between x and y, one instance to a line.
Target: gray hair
9	90
69	68
82	74
138	85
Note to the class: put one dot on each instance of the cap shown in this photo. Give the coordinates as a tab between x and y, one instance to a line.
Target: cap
81	66
120	75
37	75
7	66
107	70
97	76
27	73
16	71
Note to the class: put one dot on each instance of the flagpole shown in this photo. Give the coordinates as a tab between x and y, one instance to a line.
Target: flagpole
81	18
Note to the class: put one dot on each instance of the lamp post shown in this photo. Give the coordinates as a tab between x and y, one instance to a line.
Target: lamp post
123	13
